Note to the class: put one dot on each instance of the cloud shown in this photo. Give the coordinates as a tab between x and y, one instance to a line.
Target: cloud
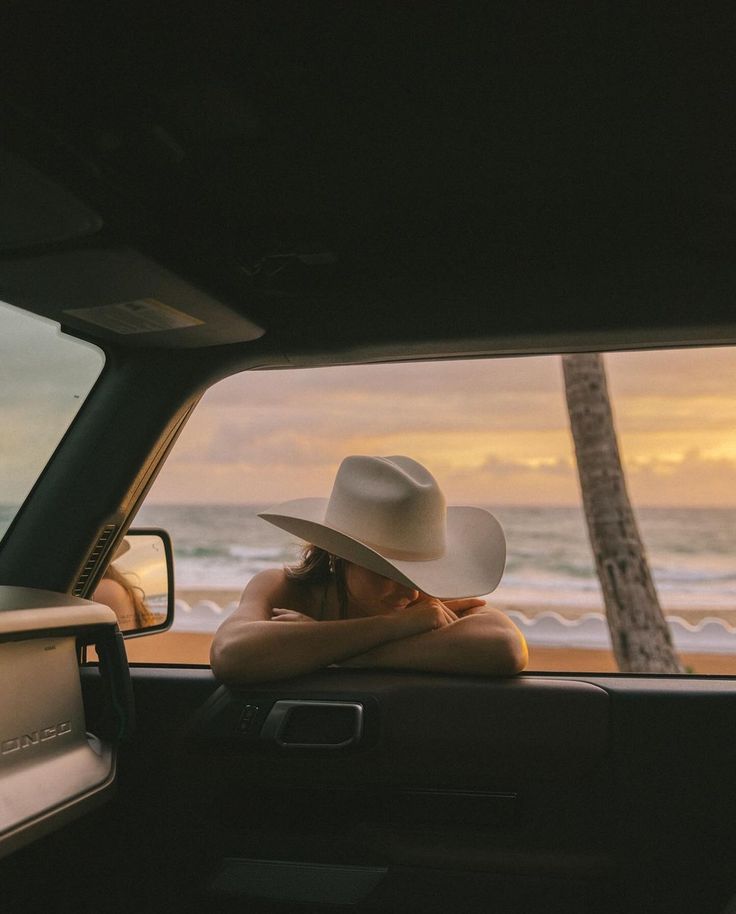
375	413
559	466
673	373
692	462
688	479
277	449
490	430
664	414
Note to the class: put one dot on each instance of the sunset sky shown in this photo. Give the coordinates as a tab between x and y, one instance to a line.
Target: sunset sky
493	432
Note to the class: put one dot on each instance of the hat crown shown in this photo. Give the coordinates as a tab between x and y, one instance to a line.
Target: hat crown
392	504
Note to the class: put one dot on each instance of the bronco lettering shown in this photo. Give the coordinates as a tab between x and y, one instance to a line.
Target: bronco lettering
26	740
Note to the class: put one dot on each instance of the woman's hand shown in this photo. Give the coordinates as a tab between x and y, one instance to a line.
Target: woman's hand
466	607
289	615
423	615
427	613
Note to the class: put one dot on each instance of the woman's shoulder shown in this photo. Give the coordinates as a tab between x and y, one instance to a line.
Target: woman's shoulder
271	577
107	587
114	595
275	586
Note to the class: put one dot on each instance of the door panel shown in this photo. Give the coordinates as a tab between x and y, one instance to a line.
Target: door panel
443	783
533	794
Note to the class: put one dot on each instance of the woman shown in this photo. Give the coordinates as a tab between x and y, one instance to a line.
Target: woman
126	600
389	578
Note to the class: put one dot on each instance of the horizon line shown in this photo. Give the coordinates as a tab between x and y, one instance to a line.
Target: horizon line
243	504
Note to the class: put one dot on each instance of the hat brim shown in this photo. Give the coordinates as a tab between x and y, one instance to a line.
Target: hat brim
472	564
120	550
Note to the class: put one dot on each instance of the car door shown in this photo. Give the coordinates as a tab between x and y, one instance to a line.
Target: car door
540	793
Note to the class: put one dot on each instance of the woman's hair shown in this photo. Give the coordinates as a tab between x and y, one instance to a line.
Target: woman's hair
144	618
318	566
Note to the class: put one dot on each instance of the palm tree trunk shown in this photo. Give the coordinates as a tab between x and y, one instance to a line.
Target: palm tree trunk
641	639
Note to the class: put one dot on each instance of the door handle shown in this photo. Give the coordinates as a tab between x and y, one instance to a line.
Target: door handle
303	724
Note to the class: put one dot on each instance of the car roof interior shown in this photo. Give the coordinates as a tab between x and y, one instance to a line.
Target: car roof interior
330	182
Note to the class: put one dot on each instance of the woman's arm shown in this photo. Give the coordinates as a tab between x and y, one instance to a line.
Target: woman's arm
253	646
481	642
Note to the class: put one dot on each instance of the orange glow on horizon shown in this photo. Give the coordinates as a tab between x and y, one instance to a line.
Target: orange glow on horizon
493	431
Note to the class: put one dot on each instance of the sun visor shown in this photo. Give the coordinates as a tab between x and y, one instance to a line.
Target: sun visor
119	295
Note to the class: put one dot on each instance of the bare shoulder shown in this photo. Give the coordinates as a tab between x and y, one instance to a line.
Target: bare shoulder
269	590
271	582
114	595
109	589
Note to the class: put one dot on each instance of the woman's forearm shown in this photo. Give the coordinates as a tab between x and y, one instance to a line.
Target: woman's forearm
246	651
480	644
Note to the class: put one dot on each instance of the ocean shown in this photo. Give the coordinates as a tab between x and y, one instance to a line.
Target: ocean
549	588
549	562
691	553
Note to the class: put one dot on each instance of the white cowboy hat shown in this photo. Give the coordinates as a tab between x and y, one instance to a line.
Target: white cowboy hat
388	514
122	547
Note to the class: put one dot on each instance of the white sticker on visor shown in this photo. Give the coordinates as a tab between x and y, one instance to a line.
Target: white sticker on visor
144	315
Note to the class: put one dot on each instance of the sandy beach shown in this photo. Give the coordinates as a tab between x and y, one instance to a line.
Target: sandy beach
193	648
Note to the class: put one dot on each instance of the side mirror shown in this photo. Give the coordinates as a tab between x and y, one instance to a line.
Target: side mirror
138	583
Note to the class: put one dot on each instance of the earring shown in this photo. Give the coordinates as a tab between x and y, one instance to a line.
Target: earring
332	564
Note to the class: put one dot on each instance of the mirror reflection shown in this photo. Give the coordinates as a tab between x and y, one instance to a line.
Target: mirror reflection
135	583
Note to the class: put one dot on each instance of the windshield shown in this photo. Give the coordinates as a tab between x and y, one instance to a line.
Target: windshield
45	376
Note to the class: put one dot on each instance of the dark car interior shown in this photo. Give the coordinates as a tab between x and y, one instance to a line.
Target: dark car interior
290	185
